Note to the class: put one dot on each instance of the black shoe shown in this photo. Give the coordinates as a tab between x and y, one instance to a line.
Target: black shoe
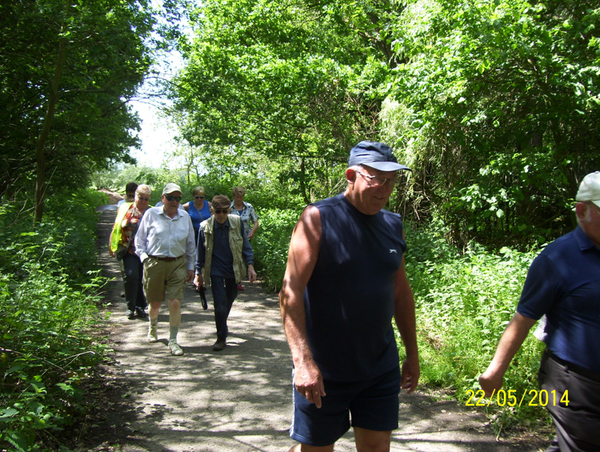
219	345
130	314
141	313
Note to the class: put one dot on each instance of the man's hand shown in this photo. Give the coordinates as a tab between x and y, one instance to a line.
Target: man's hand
309	382
515	333
198	281
251	273
411	372
491	382
190	276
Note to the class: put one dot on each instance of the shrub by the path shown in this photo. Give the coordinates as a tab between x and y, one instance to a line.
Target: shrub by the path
48	297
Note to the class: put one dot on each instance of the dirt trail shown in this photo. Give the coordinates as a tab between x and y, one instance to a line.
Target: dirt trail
238	399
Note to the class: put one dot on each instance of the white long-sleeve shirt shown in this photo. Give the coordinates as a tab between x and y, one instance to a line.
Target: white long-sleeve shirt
162	236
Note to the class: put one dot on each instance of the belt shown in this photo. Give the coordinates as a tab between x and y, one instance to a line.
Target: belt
166	259
590	374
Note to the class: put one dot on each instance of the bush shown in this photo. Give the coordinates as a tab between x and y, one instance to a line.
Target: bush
464	302
48	303
63	244
271	245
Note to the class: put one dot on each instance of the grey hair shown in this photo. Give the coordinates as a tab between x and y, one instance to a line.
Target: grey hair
145	189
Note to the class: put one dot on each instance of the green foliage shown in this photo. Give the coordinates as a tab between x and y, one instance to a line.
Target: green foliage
494	104
269	184
68	70
287	81
46	352
48	306
497	105
77	61
271	245
464	302
60	245
117	179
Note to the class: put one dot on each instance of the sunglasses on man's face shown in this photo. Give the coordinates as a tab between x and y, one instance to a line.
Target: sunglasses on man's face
141	198
221	210
173	198
198	197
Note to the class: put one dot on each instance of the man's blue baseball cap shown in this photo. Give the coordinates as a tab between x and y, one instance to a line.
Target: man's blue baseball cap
375	155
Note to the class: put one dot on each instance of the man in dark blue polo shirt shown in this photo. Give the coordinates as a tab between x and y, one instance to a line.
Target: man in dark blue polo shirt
563	283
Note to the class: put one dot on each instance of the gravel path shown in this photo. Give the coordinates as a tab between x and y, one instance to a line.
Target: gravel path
239	399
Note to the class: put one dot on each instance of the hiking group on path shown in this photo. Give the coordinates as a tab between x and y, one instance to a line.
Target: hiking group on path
239	399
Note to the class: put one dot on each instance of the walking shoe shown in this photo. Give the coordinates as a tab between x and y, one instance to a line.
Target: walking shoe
219	345
152	336
141	313
130	314
175	348
240	287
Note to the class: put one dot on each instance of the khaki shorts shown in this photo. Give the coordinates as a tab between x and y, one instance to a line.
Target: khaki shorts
164	278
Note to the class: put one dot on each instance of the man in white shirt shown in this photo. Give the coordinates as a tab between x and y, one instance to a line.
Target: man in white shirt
165	243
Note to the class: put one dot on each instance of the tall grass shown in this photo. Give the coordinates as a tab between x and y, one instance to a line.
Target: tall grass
272	243
48	302
464	301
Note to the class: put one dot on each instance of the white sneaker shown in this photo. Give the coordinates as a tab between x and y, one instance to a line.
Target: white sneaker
175	348
152	336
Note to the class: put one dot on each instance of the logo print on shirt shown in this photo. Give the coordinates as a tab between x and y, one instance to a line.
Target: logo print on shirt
392	250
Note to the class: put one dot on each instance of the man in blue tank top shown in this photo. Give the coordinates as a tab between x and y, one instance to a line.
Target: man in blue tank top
563	283
344	283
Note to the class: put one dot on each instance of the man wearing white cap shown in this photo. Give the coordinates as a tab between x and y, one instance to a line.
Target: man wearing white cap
165	243
563	283
344	283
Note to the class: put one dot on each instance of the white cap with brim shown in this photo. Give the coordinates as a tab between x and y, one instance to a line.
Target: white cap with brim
375	155
589	189
171	188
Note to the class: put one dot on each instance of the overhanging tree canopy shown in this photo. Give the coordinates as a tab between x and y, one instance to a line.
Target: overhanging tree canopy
499	106
287	79
67	70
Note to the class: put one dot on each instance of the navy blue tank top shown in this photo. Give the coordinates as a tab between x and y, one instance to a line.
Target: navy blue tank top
349	298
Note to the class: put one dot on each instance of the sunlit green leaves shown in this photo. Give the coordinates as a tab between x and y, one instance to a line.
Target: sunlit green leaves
290	79
489	80
464	301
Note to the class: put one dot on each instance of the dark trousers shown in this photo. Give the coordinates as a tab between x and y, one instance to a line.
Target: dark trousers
132	279
578	423
224	291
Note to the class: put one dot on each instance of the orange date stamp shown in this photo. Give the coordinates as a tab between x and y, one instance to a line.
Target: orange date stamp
510	397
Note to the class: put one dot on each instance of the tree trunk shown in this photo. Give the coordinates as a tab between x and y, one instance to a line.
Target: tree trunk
40	157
